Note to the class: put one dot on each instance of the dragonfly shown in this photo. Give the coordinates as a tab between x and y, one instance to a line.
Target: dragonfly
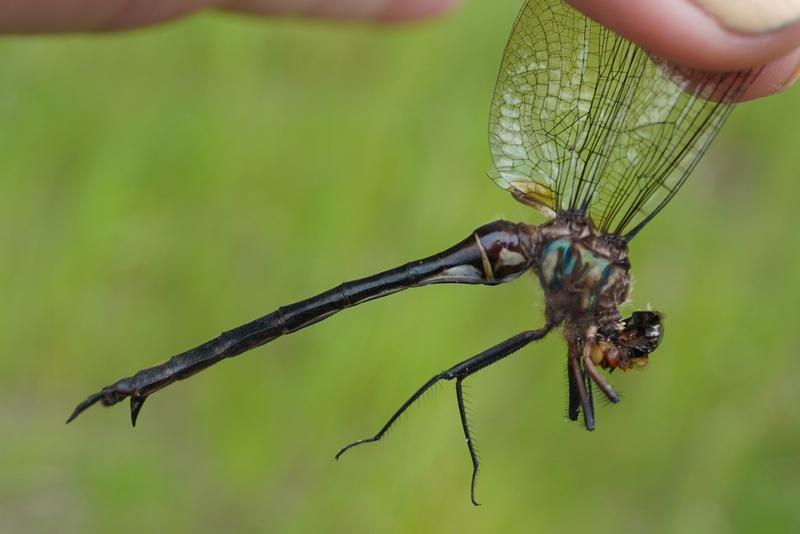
588	129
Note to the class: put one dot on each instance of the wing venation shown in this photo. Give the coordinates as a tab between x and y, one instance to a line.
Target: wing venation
582	119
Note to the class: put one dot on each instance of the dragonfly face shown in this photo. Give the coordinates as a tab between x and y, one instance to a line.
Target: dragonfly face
593	132
630	344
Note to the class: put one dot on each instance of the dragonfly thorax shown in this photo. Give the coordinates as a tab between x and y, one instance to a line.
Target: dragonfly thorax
584	273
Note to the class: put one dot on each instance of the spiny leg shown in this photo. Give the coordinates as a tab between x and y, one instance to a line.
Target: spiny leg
470	444
587	383
460	371
574	407
396	415
580	386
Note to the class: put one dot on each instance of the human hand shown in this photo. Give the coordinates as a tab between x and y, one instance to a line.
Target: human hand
720	35
712	34
38	16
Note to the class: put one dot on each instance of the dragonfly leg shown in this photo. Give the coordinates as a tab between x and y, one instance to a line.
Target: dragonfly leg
473	455
395	416
459	372
578	380
602	383
574	407
589	391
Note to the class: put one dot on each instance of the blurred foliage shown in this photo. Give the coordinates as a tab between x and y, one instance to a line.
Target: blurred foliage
159	186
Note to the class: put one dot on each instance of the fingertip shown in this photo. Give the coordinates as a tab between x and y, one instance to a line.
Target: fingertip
777	76
380	10
402	10
682	32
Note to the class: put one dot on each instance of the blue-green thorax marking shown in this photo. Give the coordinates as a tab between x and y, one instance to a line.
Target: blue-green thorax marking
567	264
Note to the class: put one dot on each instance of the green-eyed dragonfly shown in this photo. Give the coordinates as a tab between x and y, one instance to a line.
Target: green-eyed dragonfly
585	127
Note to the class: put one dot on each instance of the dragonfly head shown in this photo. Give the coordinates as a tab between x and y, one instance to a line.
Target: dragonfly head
630	345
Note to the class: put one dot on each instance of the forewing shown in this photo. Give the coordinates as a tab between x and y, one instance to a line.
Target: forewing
584	120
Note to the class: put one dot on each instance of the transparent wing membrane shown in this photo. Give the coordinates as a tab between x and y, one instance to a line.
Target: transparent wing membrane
582	119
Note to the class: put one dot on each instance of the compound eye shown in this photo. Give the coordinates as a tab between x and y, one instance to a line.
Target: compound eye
642	331
653	335
643	320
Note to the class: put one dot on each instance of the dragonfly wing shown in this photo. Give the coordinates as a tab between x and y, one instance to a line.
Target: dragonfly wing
584	120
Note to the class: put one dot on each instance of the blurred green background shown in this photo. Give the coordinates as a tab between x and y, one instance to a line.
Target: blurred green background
159	186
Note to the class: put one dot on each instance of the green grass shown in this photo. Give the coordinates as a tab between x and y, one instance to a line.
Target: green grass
159	186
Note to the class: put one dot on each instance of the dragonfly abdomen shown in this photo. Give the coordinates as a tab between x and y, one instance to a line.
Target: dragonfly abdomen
495	253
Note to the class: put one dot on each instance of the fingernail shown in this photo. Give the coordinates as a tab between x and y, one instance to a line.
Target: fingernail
753	16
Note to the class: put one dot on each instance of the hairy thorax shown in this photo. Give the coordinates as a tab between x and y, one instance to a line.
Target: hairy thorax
584	274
